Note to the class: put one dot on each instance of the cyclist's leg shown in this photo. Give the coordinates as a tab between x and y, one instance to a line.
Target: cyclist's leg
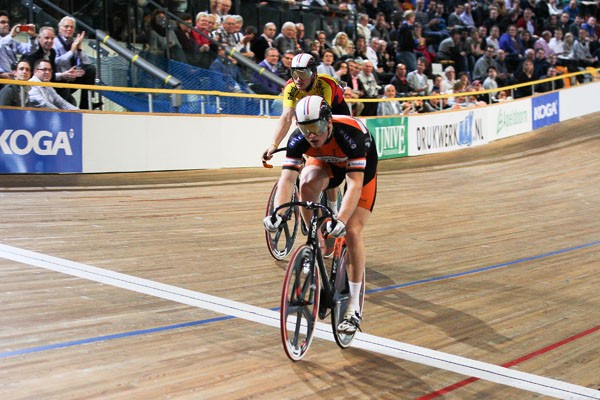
313	180
356	256
356	247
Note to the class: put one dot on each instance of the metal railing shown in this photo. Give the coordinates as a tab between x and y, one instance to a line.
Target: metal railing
266	100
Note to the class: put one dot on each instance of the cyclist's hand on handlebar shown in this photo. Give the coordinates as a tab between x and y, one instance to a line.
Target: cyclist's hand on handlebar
336	228
268	154
272	223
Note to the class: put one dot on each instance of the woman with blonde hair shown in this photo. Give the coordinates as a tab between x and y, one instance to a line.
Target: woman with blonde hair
340	45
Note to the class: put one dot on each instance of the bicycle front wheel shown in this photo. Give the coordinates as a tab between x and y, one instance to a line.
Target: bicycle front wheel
342	297
299	303
280	242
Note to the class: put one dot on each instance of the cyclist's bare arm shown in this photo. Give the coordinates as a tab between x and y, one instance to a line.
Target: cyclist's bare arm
354	182
283	126
285	187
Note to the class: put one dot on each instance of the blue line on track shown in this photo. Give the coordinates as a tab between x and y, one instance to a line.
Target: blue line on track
227	317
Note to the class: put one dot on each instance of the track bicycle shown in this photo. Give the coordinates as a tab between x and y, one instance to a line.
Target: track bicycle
281	242
310	291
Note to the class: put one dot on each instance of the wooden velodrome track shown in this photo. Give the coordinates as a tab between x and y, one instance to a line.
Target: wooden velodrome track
491	254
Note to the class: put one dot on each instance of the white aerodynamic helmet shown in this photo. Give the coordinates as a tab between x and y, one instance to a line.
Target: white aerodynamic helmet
304	61
312	115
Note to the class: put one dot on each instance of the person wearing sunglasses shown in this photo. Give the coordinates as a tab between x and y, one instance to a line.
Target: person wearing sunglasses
305	81
338	148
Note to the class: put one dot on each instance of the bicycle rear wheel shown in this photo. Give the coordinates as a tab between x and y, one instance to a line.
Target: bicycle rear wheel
342	297
299	303
280	242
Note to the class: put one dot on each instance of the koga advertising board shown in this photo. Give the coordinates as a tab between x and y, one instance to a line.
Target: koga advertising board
40	141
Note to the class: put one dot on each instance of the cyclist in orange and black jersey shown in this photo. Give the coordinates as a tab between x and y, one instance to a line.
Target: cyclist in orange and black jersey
338	148
351	148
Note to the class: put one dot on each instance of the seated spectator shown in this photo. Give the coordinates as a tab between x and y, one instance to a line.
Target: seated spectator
581	51
206	50
527	39
540	63
400	82
10	48
360	48
527	23
355	84
190	48
493	38
245	44
285	65
229	33
450	51
286	40
592	28
490	82
227	66
261	43
162	40
556	43
46	96
304	42
436	103
321	36
449	80
262	85
513	48
326	66
69	53
17	95
417	80
341	70
381	28
552	85
525	75
371	87
391	107
480	71
544	43
501	97
340	45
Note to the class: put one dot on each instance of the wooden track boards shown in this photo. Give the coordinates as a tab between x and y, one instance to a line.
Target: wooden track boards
519	219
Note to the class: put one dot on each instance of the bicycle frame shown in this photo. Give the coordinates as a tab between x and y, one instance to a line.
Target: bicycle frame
313	242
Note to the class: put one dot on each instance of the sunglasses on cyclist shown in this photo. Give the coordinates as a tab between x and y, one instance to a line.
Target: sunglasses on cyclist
317	128
302	74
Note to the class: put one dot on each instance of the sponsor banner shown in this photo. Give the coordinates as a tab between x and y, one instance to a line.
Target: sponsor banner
579	100
510	118
439	132
390	135
545	110
40	141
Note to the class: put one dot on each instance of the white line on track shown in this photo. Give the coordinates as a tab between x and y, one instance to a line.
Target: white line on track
433	358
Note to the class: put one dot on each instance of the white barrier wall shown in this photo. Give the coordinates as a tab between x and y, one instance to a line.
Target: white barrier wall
36	141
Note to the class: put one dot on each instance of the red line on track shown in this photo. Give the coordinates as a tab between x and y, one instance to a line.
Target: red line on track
509	364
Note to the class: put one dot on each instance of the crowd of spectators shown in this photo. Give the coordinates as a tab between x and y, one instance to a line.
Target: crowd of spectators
44	56
478	44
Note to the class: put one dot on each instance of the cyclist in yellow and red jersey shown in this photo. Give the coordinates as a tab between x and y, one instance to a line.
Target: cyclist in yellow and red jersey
304	82
338	147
